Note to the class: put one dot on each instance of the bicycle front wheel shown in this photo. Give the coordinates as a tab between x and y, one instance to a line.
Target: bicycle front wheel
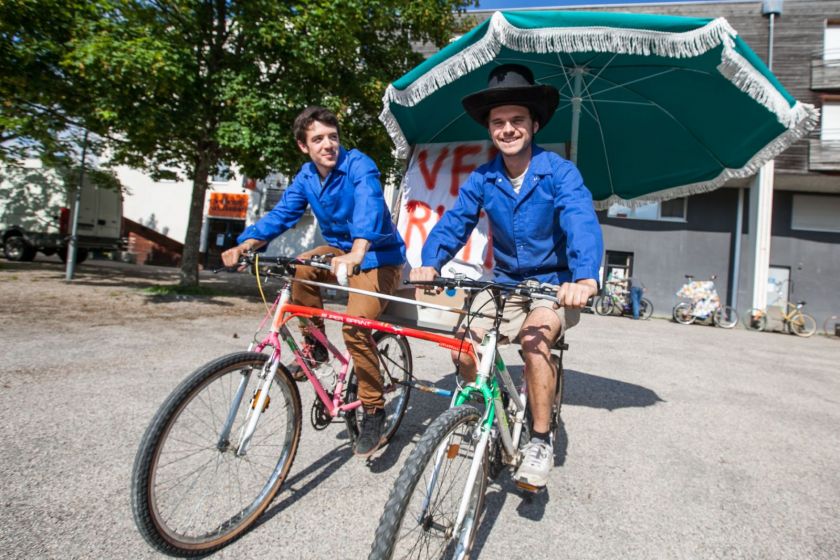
803	325
755	319
603	305
421	512
395	366
682	313
194	488
725	317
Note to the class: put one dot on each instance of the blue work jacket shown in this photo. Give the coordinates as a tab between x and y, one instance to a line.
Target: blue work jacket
348	206
548	232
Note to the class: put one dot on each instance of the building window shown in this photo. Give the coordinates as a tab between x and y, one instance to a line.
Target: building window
813	212
674	210
830	120
222	174
831	50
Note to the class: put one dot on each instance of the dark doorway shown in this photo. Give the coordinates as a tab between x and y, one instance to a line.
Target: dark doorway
619	266
221	235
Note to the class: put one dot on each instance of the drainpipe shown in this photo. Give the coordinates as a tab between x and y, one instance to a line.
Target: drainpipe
761	192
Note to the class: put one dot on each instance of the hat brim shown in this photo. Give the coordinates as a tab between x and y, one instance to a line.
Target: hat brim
542	99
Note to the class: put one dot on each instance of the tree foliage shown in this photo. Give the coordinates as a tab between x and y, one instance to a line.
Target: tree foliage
187	84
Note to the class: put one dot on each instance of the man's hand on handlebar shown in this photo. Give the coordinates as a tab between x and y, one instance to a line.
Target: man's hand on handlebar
574	295
422	274
231	257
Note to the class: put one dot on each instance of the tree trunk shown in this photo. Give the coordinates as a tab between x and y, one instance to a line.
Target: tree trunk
189	262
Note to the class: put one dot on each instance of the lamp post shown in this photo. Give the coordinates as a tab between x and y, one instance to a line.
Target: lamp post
74	230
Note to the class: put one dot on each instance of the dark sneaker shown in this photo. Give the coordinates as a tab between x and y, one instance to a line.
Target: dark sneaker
314	353
370	435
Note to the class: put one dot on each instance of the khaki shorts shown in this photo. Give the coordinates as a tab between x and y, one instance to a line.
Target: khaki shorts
516	310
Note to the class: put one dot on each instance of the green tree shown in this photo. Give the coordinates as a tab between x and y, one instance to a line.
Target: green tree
190	84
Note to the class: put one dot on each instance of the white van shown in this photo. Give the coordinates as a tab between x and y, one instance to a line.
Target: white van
35	214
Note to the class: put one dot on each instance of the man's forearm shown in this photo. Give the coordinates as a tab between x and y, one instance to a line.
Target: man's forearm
360	247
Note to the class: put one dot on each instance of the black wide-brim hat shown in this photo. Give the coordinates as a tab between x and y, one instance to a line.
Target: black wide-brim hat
513	84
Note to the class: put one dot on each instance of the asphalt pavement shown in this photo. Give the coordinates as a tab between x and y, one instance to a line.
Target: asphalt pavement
678	442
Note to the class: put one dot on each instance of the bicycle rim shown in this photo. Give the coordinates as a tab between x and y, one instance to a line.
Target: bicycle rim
682	314
202	494
395	365
803	325
725	317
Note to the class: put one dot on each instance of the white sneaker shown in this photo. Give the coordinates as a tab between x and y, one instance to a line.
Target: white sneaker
537	459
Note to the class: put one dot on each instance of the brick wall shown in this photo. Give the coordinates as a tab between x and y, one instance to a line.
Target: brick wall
151	247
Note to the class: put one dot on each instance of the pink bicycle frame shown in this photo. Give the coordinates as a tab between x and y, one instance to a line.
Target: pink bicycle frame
285	311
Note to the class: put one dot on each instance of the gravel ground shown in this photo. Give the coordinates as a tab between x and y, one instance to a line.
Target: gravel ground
679	441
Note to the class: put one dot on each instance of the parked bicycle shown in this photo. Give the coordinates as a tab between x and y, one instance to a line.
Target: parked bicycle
221	445
616	301
435	506
705	304
794	319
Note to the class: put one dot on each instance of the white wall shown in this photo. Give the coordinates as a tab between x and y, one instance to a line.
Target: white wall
169	201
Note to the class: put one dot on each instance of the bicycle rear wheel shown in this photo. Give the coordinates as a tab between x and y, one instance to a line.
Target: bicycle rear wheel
725	317
803	325
682	313
421	512
395	365
645	309
755	319
192	492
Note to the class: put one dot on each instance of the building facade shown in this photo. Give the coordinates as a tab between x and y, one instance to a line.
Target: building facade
663	242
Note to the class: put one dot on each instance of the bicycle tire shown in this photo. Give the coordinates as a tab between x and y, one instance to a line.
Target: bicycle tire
803	325
830	326
396	363
176	418
645	309
682	314
558	396
755	320
453	428
603	305
725	317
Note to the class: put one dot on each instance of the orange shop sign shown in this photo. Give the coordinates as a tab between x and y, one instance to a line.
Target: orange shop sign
228	205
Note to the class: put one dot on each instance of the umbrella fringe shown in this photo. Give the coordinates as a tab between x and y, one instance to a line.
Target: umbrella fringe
807	118
578	39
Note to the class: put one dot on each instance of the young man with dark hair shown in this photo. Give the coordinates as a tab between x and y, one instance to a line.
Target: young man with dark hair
343	189
543	227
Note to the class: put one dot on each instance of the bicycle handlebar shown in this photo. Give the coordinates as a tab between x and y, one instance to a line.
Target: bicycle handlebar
285	265
531	288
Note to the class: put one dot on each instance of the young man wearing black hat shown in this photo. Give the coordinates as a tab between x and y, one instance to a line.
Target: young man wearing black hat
543	226
342	187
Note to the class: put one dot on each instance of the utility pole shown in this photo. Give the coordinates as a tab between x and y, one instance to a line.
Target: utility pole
77	203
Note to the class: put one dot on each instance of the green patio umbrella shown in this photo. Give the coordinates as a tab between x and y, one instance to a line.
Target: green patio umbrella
651	107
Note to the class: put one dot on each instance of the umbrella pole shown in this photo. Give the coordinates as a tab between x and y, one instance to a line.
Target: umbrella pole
577	87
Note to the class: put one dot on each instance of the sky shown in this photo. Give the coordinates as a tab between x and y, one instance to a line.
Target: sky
513	4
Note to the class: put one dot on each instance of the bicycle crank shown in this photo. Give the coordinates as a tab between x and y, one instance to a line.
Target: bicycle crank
319	416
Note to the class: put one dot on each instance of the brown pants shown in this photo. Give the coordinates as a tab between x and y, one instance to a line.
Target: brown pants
382	280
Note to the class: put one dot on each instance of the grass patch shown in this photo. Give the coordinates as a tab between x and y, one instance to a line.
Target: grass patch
176	290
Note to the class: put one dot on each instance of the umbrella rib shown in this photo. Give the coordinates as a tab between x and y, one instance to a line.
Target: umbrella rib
442	130
669	115
642	79
603	145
